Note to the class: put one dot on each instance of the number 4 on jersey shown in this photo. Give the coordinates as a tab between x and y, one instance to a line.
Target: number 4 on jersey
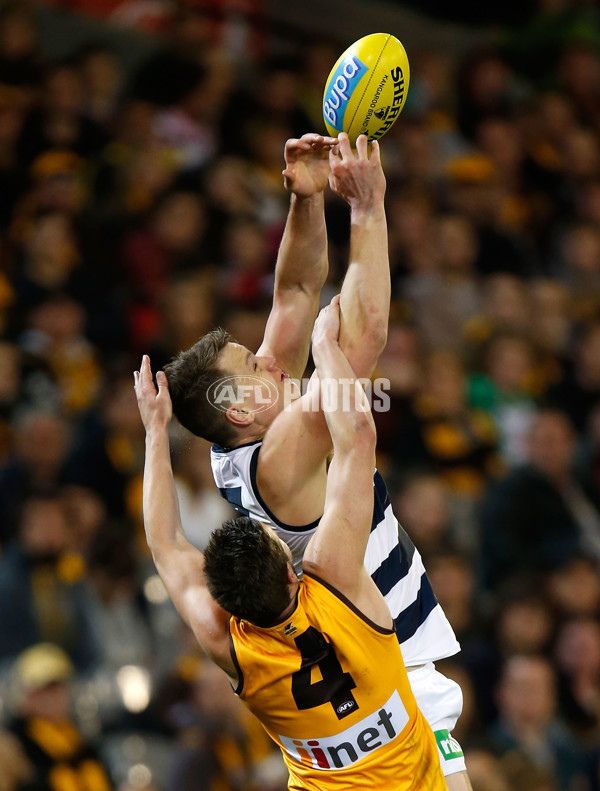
335	686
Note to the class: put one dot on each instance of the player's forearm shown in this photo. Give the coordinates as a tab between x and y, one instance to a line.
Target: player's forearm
365	295
343	400
302	260
160	504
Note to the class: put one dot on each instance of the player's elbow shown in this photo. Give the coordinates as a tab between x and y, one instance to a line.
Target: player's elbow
378	339
364	355
374	338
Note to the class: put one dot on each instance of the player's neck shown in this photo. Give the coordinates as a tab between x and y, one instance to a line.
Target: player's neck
293	588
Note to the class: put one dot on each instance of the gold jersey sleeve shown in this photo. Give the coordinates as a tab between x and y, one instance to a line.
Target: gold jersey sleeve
331	689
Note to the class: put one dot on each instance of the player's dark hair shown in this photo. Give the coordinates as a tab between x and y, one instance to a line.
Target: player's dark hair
190	376
246	571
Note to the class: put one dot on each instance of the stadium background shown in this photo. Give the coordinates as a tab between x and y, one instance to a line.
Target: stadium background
141	204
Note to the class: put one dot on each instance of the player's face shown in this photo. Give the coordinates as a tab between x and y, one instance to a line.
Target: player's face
265	387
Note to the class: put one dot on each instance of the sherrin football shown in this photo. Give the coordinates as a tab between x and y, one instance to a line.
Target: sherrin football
367	88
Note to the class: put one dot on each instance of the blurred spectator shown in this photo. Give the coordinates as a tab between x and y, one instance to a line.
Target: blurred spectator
273	94
39	446
15	769
41	580
10	387
579	391
454	583
59	123
102	82
456	440
541	513
55	340
423	509
221	742
86	512
527	721
117	611
550	323
57	754
485	89
108	456
247	260
447	297
186	126
20	59
505	390
505	307
173	244
574	587
178	62
522	624
578	659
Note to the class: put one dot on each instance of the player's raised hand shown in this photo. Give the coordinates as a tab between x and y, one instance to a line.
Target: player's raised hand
327	324
307	164
155	407
357	177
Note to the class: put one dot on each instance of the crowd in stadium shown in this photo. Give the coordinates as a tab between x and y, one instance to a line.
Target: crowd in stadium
137	212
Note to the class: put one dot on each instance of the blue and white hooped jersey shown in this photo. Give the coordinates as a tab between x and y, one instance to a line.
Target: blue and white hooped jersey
391	558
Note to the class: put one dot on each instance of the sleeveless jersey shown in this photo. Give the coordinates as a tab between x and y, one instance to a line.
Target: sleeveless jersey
330	688
391	558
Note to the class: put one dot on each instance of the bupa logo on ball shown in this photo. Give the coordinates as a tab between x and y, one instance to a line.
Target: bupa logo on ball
339	89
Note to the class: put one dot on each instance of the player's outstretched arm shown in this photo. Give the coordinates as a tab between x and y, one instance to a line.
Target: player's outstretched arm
302	263
365	298
180	565
291	465
337	549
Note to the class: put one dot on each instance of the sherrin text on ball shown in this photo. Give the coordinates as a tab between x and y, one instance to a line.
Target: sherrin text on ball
367	88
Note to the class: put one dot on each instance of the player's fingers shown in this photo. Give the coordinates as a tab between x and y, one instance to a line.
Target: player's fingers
320	142
146	383
294	146
334	158
375	152
344	146
362	147
162	382
335	302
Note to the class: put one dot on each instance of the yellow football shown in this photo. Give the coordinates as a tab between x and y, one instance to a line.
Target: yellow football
367	88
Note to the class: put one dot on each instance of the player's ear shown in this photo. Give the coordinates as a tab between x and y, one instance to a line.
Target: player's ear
239	416
291	574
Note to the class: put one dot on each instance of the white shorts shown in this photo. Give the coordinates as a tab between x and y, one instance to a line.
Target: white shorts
440	700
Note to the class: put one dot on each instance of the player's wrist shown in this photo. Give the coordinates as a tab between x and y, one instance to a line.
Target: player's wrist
365	210
157	430
307	200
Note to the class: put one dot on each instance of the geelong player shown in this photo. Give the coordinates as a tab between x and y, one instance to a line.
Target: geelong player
271	463
354	723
